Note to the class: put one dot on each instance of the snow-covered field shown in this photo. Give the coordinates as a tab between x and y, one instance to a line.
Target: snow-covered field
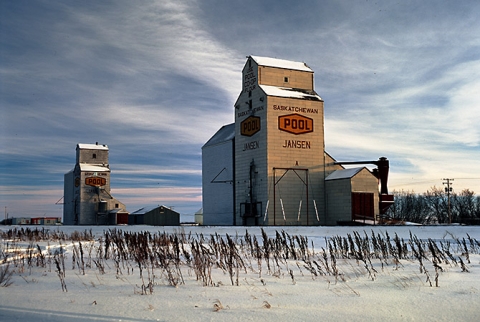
303	279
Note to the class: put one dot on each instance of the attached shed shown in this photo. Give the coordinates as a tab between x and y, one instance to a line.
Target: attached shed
118	216
352	196
218	173
155	216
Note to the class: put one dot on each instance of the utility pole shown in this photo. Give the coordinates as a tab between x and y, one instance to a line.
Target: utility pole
448	190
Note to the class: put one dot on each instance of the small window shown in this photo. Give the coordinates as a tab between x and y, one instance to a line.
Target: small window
94	156
116	205
285	79
250	104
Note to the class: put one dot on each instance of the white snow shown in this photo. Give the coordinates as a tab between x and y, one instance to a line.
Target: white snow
287	92
281	63
397	292
93	167
87	146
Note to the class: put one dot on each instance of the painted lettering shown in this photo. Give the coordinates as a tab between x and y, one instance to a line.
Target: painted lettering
95	181
295	124
295	109
249	80
250	126
251	146
296	144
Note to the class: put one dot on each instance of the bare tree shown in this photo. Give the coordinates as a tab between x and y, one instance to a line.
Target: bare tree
432	207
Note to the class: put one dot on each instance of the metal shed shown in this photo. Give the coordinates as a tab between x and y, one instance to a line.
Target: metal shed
352	196
155	216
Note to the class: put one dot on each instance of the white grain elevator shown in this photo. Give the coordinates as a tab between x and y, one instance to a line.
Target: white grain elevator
278	169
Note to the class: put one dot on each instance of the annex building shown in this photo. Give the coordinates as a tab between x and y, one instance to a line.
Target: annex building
270	167
87	198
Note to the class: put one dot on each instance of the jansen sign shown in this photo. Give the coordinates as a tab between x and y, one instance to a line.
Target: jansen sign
295	124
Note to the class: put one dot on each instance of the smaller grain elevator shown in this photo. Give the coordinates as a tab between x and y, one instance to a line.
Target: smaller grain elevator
87	198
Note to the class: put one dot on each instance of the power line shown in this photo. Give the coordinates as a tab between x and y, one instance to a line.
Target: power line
412	183
468	178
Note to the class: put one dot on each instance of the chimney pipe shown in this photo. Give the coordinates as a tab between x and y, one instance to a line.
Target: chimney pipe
383	166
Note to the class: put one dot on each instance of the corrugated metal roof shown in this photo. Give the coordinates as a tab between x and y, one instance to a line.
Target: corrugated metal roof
344	174
146	209
281	63
290	92
143	210
226	133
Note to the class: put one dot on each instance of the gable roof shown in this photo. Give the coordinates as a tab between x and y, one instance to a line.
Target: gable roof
344	173
144	210
281	63
226	133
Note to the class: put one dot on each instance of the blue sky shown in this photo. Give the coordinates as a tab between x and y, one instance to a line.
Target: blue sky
154	80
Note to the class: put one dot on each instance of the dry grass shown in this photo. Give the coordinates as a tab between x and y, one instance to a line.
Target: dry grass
164	259
217	306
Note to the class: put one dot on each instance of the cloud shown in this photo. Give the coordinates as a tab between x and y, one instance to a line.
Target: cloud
156	80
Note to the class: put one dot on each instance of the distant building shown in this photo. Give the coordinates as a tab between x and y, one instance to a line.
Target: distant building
118	216
199	217
154	216
46	221
20	221
87	198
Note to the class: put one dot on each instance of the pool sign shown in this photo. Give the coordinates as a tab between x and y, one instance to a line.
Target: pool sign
250	126
295	124
95	181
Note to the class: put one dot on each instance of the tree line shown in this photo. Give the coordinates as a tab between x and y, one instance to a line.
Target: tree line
434	207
